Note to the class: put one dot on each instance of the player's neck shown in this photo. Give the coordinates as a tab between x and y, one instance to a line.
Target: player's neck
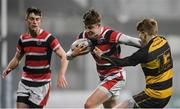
150	37
35	33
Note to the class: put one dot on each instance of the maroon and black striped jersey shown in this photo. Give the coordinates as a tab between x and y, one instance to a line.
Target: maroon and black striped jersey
108	43
37	51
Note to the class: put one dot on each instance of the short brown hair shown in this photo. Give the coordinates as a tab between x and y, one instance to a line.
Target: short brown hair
34	10
91	17
148	25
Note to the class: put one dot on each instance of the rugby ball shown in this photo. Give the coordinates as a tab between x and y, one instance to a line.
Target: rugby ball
79	42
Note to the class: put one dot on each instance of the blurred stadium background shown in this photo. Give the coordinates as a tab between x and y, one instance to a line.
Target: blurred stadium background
63	18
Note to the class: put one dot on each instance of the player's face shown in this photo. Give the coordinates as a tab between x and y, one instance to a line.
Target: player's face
93	31
33	22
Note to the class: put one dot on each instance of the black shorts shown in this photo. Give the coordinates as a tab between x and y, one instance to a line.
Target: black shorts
144	101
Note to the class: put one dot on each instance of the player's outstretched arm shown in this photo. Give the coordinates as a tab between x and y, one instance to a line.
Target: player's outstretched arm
12	64
128	40
61	82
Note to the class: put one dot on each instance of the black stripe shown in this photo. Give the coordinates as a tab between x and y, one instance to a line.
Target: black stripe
154	72
94	41
20	42
154	54
33	105
22	99
113	50
43	57
35	44
80	36
107	36
160	85
49	40
140	96
145	101
150	72
33	84
105	67
36	71
111	74
21	45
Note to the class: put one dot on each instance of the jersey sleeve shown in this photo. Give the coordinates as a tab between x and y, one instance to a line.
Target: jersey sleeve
112	36
81	35
19	46
134	59
54	43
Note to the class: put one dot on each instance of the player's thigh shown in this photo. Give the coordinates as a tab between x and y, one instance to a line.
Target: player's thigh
113	83
21	105
39	95
97	97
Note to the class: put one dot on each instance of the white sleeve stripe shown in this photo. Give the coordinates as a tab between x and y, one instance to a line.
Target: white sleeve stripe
18	50
117	37
84	34
105	32
21	37
56	46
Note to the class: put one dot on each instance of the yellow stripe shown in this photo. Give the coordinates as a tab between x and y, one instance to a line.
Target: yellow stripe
151	65
160	94
160	78
157	43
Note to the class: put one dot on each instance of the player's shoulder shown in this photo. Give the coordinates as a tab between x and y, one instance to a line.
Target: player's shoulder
24	36
45	34
82	35
108	31
107	28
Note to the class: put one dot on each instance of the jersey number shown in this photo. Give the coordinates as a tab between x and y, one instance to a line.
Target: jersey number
164	61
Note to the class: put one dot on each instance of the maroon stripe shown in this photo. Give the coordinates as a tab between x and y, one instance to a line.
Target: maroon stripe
35	49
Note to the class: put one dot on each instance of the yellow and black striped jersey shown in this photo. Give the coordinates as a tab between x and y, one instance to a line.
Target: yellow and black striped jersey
156	62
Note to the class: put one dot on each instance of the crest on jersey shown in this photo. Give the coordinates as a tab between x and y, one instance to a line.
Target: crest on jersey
38	42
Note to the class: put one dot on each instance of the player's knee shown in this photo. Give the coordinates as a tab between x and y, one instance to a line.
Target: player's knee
88	105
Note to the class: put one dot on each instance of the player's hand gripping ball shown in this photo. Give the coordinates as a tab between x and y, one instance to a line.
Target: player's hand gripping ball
84	43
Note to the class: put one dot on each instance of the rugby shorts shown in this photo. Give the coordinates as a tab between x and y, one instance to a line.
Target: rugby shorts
113	83
37	95
142	100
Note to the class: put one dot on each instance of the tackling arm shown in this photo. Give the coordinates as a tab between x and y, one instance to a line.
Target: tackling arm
136	58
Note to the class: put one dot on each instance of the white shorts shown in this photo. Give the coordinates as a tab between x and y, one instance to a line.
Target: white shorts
113	84
37	95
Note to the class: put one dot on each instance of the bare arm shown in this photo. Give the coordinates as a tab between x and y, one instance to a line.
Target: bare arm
61	82
12	64
128	40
